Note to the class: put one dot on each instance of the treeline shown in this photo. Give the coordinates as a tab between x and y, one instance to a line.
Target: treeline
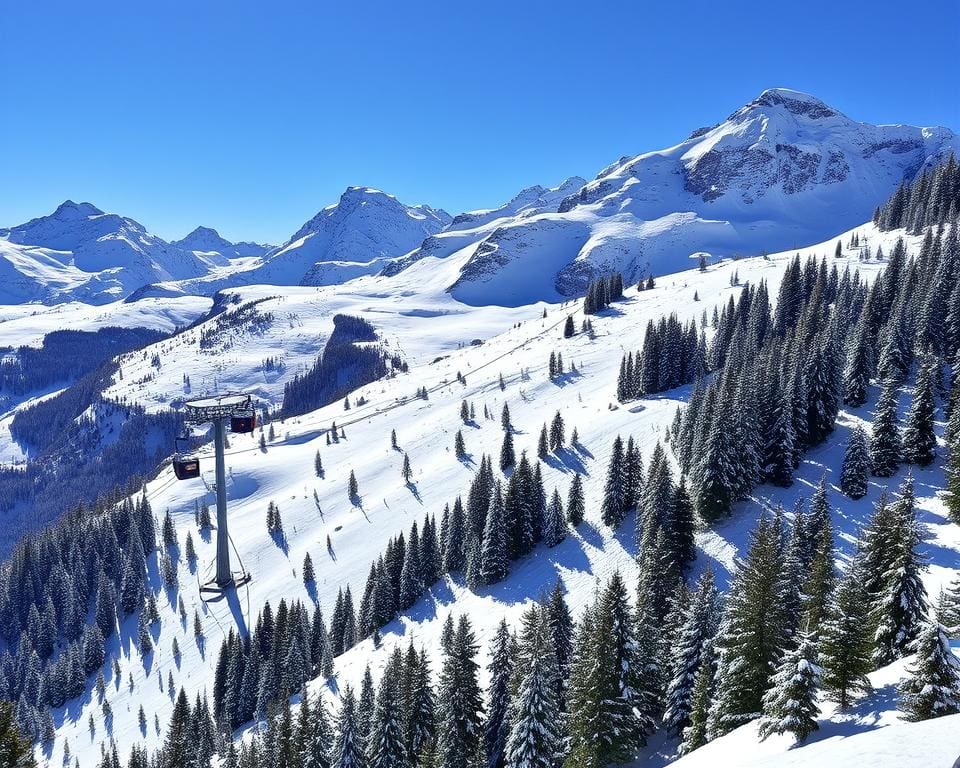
346	363
777	388
672	355
67	355
602	291
62	593
224	325
931	199
255	673
84	463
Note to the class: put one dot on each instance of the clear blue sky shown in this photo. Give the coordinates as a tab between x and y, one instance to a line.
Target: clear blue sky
250	116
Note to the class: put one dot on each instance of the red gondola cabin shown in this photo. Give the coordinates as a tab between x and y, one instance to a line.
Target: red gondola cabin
186	467
243	423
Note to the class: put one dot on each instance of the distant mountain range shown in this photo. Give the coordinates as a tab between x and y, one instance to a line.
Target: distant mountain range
783	171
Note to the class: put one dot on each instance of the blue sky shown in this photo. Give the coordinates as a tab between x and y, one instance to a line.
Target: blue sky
251	116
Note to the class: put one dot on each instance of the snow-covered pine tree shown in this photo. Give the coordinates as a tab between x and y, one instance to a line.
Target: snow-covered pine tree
497	724
347	750
697	631
543	447
535	734
507	455
557	437
460	704
790	705
885	445
932	686
901	603
309	577
614	503
695	735
386	747
919	440
575	501
556	526
845	642
856	465
856	374
751	636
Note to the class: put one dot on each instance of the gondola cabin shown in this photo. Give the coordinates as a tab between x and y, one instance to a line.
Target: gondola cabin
243	423
186	467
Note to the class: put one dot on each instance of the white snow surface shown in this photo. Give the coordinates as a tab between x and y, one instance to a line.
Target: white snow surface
423	322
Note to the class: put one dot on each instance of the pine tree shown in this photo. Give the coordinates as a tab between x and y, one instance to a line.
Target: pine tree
695	734
15	749
534	738
575	502
497	724
856	465
614	507
555	530
932	686
919	440
790	706
543	447
347	751
460	704
845	642
683	525
459	447
407	472
507	456
353	489
901	604
309	577
690	652
751	637
386	748
606	719
318	465
557	437
885	447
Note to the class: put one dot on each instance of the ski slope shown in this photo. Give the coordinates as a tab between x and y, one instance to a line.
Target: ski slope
421	323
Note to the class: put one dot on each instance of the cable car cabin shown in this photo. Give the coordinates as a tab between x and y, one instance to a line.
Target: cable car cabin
186	467
243	423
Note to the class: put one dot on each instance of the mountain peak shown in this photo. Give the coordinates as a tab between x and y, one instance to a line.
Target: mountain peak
795	102
202	236
71	210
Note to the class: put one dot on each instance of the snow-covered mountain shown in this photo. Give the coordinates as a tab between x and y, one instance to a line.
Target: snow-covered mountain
358	235
81	253
783	171
207	242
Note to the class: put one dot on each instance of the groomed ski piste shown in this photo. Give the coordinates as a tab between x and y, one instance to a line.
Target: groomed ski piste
420	321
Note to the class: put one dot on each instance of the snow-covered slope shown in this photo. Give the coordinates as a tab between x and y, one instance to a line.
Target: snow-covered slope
783	171
425	428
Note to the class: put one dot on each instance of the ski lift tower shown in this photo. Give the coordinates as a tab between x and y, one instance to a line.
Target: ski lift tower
216	410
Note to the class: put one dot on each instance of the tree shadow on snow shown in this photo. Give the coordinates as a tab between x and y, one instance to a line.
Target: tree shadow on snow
412	487
566	460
